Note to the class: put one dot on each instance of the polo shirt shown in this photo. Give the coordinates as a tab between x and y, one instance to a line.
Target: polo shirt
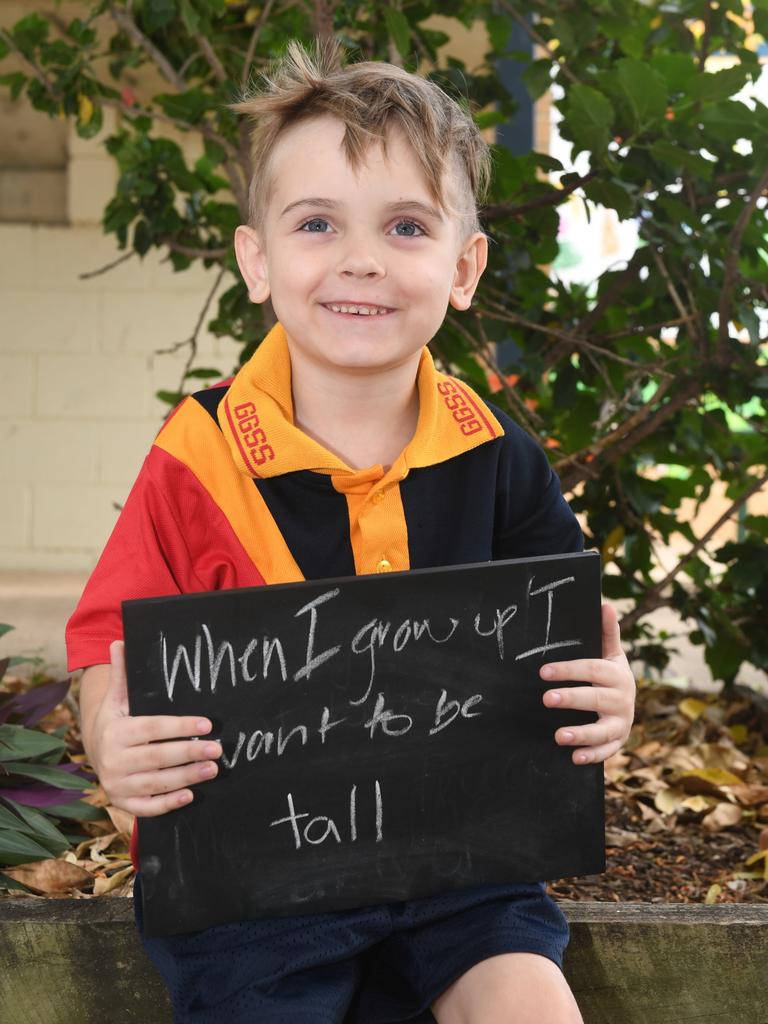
234	494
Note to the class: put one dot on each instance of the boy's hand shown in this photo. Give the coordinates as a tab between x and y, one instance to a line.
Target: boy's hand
611	695
141	776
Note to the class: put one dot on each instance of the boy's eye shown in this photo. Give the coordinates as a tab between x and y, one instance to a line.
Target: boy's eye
412	229
312	226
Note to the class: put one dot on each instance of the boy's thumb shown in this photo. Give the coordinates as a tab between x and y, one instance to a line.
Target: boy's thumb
117	693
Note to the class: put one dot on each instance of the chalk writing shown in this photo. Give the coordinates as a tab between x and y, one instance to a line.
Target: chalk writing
321	827
315	660
548	589
453	708
385	719
262	654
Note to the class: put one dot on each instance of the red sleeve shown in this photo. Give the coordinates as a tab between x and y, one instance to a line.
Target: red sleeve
170	538
145	556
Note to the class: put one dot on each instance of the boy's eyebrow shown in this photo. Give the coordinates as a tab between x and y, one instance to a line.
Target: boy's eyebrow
398	204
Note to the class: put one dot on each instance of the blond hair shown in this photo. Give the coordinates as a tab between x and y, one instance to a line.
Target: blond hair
370	98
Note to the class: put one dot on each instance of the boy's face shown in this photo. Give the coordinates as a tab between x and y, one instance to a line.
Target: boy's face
332	237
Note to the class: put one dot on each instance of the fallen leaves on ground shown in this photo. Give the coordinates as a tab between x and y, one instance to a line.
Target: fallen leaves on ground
686	803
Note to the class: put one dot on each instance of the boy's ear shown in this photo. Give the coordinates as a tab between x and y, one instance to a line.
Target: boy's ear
252	260
469	268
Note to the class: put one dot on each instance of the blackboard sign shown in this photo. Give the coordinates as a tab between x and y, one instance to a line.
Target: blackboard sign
384	738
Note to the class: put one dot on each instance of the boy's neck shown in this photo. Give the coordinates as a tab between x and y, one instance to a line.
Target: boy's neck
366	419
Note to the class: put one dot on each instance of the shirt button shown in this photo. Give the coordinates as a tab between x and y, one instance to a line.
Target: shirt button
378	497
384	566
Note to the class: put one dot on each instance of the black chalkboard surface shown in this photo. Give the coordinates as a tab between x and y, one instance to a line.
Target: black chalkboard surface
384	738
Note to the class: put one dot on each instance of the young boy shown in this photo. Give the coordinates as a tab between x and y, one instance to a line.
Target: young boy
340	449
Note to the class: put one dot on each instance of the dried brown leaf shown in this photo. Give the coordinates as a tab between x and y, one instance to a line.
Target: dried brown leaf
725	815
50	877
122	820
104	885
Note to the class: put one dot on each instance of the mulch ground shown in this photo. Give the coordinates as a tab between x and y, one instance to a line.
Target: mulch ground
686	804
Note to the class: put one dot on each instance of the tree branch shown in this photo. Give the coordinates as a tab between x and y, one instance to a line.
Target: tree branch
157	115
212	57
683	312
192	339
265	12
495	311
108	266
322	18
628	332
534	35
193	253
502	211
485	353
161	62
648	601
733	248
36	71
637	427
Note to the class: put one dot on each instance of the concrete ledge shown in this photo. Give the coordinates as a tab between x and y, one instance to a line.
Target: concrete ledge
80	962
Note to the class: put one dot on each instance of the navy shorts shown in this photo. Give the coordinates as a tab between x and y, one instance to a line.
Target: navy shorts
369	966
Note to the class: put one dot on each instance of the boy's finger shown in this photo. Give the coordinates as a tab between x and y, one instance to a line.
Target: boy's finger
591	755
611	632
607	730
143	729
117	694
168	780
171	754
583	670
152	806
604	701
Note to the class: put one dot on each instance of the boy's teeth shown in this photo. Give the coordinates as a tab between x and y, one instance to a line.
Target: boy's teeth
362	310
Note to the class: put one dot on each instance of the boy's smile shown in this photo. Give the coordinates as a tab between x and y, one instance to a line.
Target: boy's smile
360	267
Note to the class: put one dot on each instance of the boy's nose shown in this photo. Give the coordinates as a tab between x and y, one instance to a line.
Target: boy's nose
359	263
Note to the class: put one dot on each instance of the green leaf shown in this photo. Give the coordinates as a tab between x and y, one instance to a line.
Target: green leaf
190	17
719	85
5	628
44	773
78	810
29	33
16	848
16	742
157	13
537	77
730	120
80	32
645	89
490	118
142	237
33	823
169	397
58	53
16	80
678	69
499	27
611	194
215	153
590	115
204	373
399	29
185	106
676	156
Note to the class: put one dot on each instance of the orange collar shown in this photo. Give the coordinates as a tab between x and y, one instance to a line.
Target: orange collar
256	418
